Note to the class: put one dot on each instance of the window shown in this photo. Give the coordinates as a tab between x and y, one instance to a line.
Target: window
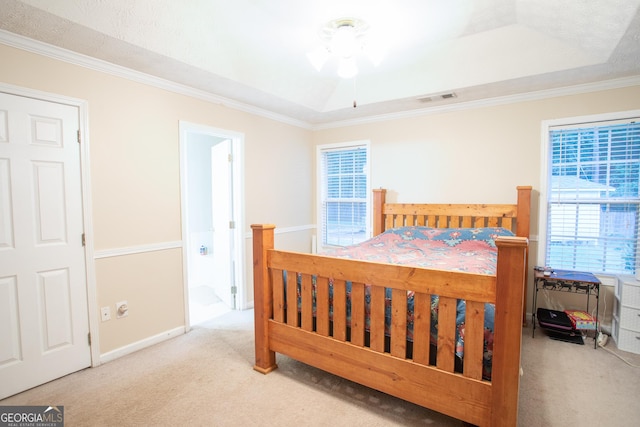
592	199
344	194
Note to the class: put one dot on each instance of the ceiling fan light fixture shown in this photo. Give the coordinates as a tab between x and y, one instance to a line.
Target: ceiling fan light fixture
318	57
344	42
344	39
348	68
376	52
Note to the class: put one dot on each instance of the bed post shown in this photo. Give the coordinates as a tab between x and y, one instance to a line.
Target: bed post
379	197
263	297
505	376
523	224
524	211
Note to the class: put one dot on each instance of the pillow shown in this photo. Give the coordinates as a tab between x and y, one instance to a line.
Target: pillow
410	232
454	236
451	236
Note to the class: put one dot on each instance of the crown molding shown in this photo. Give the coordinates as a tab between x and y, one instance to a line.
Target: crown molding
490	102
74	58
65	55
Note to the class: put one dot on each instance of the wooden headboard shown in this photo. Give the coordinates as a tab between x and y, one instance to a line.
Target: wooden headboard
515	217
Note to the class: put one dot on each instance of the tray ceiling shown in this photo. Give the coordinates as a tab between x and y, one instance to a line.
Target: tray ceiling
254	51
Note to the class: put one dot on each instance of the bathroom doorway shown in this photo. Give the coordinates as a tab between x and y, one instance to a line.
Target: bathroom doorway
212	239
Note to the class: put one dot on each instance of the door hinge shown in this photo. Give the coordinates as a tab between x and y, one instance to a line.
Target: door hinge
232	225
89	337
234	290
230	157
79	137
84	242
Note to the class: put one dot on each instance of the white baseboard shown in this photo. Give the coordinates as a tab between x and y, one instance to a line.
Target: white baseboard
147	342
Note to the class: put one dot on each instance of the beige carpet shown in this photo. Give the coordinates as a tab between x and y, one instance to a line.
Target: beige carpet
205	378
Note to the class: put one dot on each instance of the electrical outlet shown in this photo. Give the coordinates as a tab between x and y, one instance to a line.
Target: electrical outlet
122	309
106	313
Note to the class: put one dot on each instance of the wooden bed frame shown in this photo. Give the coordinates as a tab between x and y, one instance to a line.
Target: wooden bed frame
383	363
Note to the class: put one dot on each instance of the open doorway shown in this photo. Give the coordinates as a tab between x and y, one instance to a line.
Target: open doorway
211	221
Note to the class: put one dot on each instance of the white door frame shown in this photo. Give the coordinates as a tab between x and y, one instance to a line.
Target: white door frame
82	105
237	141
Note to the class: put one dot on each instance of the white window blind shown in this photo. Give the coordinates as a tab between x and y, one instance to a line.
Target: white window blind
344	190
593	198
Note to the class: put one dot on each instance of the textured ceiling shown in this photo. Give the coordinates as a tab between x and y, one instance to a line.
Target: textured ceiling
254	51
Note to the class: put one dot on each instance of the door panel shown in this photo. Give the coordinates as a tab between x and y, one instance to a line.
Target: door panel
54	289
44	322
222	216
50	202
9	334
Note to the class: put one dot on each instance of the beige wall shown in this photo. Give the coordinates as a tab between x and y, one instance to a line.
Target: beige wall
135	185
474	155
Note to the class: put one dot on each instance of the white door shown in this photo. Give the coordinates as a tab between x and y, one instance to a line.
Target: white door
222	213
44	324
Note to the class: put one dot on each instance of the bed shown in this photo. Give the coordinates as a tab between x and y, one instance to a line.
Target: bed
372	321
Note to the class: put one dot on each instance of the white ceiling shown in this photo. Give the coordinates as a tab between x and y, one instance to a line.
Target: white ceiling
254	51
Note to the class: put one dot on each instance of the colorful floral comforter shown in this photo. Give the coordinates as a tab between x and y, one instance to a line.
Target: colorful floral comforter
471	250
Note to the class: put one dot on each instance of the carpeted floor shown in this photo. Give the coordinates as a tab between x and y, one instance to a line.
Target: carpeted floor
205	378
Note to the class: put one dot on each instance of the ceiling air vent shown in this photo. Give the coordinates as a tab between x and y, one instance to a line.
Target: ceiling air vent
438	97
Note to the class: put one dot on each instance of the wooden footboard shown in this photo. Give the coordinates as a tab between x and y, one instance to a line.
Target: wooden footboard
318	332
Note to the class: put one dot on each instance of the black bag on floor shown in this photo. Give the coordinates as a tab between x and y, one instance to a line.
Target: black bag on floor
554	320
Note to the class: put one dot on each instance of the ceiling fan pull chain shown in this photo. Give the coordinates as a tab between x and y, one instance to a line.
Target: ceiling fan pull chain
354	93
